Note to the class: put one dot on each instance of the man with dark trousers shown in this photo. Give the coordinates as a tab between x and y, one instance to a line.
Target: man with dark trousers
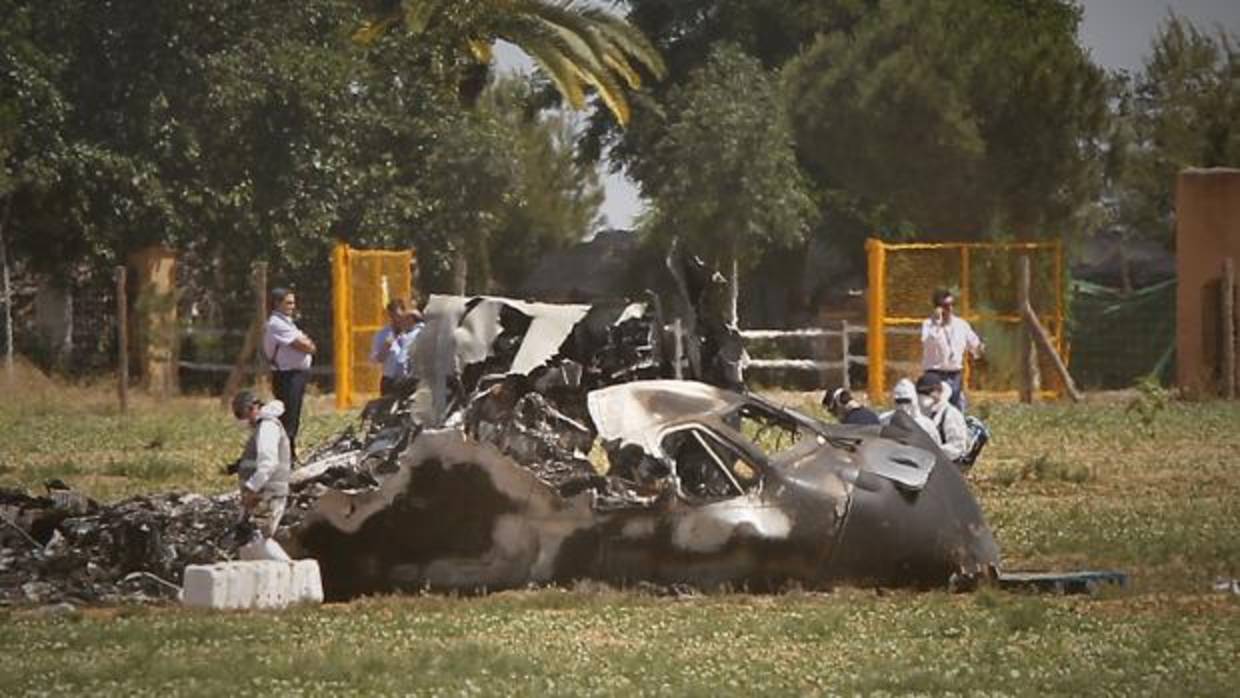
945	339
290	352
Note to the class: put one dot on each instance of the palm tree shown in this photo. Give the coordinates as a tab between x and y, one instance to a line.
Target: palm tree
577	46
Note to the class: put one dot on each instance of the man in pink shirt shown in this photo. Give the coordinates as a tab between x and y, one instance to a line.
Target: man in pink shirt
945	337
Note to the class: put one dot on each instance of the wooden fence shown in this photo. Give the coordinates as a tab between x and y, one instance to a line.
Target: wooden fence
840	336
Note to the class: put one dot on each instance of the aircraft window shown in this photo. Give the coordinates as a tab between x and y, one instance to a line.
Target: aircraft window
770	432
707	467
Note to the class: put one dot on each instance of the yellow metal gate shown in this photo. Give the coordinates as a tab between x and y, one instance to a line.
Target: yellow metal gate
363	281
985	277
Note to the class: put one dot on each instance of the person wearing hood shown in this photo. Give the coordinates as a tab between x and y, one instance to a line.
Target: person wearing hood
263	472
848	409
934	397
904	399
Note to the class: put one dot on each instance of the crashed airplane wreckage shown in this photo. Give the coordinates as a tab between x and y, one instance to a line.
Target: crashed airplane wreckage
485	481
705	487
479	476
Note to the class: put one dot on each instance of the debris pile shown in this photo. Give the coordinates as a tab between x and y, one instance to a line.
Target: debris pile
67	547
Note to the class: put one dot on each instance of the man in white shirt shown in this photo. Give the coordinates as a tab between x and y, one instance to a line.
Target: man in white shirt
945	337
289	351
392	344
263	472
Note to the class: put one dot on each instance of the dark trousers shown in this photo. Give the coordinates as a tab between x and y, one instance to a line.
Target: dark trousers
387	386
956	380
289	387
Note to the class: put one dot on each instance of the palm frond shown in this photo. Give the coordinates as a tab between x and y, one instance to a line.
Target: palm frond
630	41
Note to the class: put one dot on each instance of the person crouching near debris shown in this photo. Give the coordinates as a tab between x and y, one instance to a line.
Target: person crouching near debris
934	396
846	408
904	399
263	472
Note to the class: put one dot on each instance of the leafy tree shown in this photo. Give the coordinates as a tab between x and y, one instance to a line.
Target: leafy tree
577	46
953	118
1182	110
557	197
723	175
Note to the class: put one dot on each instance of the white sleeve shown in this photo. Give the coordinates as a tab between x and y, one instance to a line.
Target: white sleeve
267	444
282	333
927	330
956	434
971	341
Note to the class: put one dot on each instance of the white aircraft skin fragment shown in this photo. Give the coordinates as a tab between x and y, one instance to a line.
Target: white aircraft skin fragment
709	528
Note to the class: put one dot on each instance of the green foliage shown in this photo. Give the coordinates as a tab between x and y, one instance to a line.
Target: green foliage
951	118
576	46
240	131
722	174
557	196
1149	404
1182	110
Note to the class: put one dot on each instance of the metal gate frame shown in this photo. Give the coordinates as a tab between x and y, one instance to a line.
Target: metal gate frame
880	323
355	323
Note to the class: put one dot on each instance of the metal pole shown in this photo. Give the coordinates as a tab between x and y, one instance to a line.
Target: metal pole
876	337
1229	329
122	339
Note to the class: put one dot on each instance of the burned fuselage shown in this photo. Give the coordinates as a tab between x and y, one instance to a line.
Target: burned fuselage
705	487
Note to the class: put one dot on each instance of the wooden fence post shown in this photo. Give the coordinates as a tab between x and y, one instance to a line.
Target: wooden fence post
1028	357
1229	329
122	339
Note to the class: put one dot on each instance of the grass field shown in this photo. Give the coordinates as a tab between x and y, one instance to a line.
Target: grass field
1064	487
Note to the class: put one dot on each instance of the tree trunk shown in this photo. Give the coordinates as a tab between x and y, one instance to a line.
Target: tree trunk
460	271
8	292
1125	269
734	286
64	356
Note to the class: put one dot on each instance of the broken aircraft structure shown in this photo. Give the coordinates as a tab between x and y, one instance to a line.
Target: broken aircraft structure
705	487
545	443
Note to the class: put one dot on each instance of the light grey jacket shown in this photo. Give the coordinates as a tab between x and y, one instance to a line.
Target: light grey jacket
267	462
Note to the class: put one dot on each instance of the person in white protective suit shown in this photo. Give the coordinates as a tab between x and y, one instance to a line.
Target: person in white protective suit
934	398
904	398
263	472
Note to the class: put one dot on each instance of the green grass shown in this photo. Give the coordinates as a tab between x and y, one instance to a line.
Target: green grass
1063	486
80	436
596	642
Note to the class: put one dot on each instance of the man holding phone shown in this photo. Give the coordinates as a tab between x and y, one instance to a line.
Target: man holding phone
945	337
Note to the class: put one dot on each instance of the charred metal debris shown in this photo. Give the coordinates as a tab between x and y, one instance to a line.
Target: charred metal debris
545	443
